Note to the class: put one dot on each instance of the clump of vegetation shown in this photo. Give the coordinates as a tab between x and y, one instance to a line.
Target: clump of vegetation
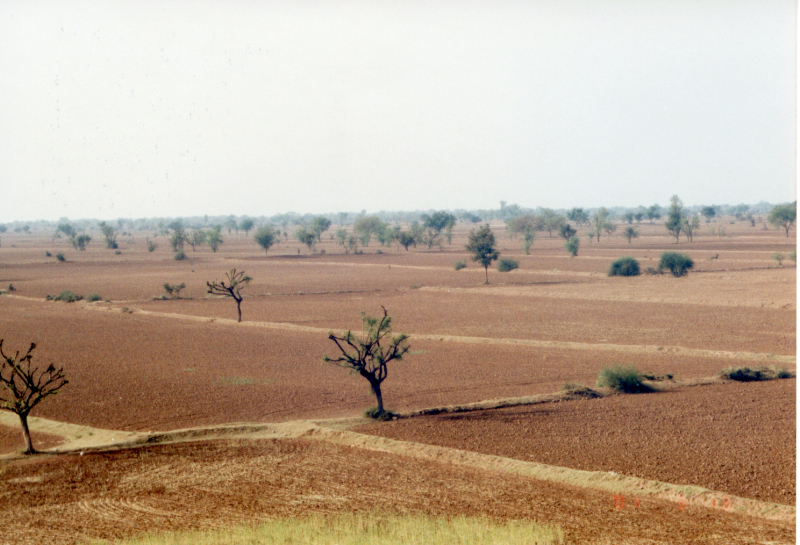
66	296
793	257
11	288
624	266
48	254
151	246
375	414
579	390
92	297
623	379
572	246
173	290
506	264
751	374
179	255
779	257
676	263
458	265
60	257
651	377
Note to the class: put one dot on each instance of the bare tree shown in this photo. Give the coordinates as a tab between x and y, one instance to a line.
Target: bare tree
367	356
236	281
23	386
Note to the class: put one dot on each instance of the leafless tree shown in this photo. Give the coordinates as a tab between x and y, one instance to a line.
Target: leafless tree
23	386
236	281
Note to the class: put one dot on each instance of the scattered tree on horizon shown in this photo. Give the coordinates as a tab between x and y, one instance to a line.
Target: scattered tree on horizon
566	231
630	233
653	213
110	235
366	355
600	221
246	225
709	212
236	282
481	245
197	238
783	216
690	225
578	216
309	238
675	221
178	236
23	386
319	225
265	237
434	224
214	238
365	227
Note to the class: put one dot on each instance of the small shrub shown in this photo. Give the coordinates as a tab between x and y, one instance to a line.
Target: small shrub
151	246
779	257
751	374
458	265
579	390
117	252
92	297
60	257
179	255
793	257
506	264
652	271
622	379
713	257
676	263
11	288
173	290
68	297
624	266
373	413
48	254
572	246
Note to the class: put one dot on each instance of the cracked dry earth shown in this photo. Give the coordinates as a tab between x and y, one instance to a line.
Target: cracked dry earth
69	498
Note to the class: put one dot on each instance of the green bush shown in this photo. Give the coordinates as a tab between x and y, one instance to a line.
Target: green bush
92	297
622	379
751	374
68	297
779	257
48	254
179	255
61	257
458	265
506	264
624	266
151	246
676	263
572	246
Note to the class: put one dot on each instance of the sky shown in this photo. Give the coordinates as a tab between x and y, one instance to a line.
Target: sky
131	109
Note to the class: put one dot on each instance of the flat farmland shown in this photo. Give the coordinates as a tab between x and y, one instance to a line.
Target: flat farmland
137	363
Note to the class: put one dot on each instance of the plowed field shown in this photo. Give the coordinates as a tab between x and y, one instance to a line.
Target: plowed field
140	364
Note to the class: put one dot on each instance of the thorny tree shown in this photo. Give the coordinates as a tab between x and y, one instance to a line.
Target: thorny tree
236	281
367	355
23	386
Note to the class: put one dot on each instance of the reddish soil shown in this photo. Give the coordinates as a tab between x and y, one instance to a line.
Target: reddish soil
213	484
180	363
11	440
738	438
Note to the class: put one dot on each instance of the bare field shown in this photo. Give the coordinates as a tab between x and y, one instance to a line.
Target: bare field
140	364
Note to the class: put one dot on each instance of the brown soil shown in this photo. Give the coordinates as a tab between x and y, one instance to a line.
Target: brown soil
738	438
212	484
11	440
137	364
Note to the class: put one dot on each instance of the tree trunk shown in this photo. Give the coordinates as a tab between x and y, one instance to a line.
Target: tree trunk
239	309
376	389
26	433
487	273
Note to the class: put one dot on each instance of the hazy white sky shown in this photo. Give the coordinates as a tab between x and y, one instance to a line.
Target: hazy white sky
140	109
